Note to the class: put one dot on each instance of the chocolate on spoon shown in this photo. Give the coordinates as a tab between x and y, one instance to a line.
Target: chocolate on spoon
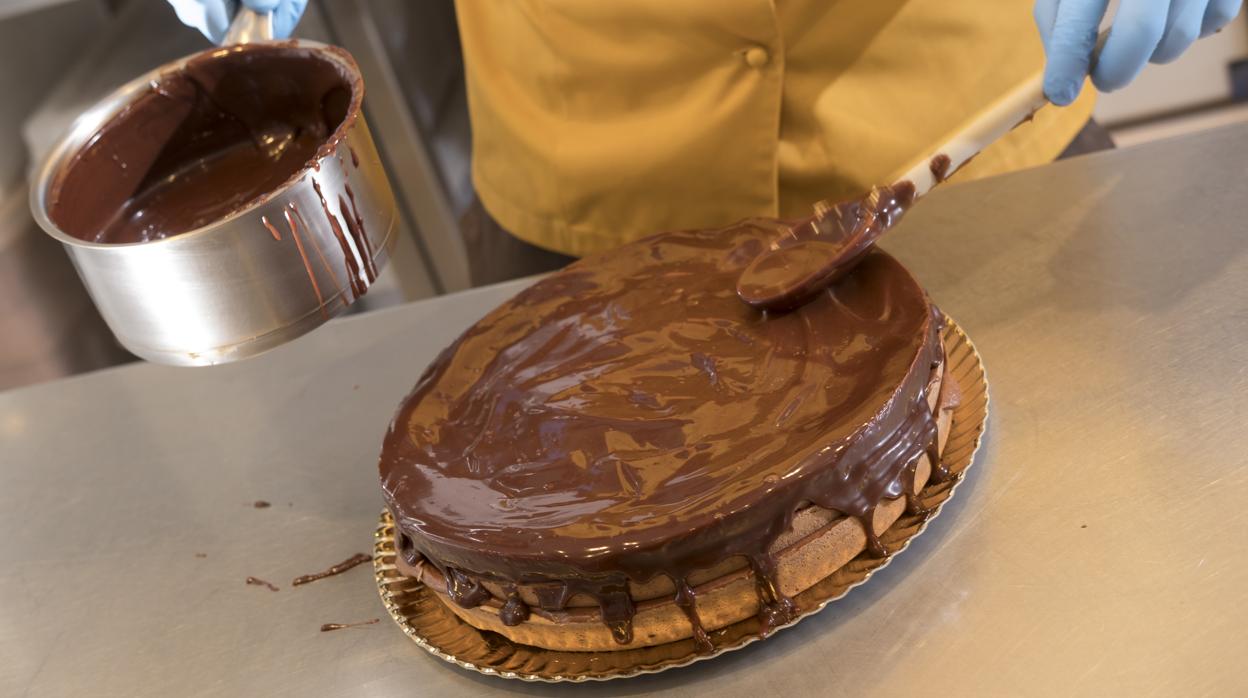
822	249
817	252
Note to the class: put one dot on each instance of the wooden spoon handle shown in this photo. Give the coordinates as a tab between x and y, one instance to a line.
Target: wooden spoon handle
1011	110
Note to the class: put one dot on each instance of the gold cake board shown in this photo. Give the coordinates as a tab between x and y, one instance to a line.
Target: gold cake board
424	618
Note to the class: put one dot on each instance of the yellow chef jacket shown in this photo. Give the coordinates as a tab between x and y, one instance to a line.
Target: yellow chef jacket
596	122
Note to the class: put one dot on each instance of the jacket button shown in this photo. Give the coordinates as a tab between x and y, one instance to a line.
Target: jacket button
757	57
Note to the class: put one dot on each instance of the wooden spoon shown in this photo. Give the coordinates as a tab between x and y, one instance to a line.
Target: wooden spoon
820	250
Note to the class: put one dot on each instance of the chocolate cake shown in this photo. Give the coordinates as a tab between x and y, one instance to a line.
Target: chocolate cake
626	454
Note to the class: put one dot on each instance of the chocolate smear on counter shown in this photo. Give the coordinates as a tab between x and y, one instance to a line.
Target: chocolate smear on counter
256	581
818	251
203	142
622	456
201	555
353	561
342	626
261	504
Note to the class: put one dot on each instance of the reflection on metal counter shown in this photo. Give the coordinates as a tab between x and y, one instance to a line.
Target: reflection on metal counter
48	326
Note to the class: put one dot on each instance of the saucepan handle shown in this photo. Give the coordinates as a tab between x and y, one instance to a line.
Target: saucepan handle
249	27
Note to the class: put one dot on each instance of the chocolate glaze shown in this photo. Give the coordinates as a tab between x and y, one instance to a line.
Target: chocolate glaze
821	249
203	142
629	417
356	559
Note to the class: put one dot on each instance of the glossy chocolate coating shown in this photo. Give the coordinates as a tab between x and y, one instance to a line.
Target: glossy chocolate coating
816	252
203	142
629	416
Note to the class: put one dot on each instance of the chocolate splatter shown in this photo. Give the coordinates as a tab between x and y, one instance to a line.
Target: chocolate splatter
354	560
340	626
256	581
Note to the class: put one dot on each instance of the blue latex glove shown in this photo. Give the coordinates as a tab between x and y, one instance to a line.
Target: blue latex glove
1142	31
212	17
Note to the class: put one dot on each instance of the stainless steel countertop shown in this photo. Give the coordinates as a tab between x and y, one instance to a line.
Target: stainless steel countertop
1100	545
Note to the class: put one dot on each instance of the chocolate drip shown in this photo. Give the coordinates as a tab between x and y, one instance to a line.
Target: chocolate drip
515	611
914	506
874	547
355	224
621	455
774	608
940	472
621	629
553	596
359	231
617	610
360	270
407	550
464	590
277	235
614	601
686	599
290	213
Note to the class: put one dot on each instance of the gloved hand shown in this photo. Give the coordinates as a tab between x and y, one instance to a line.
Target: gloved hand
1142	31
212	17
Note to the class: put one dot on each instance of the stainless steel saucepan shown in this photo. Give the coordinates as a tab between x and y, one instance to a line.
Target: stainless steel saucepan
264	274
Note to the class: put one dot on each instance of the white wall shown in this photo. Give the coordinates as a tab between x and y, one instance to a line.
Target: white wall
1198	78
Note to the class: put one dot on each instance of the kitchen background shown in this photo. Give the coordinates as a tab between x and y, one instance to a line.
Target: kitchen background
60	56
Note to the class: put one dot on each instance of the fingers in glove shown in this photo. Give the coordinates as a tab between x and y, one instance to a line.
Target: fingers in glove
1137	29
286	17
1182	28
1045	14
1070	47
217	17
1218	15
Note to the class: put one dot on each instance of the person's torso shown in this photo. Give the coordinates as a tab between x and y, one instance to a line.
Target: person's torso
595	123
